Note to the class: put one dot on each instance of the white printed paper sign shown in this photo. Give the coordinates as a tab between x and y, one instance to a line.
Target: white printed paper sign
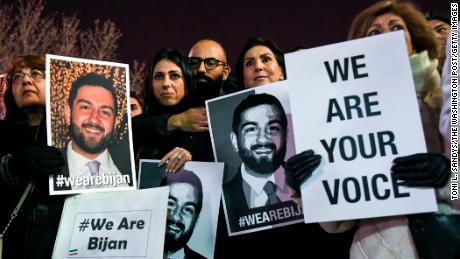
354	103
111	225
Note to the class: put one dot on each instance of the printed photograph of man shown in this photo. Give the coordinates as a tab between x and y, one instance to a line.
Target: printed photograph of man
193	207
90	117
184	206
259	135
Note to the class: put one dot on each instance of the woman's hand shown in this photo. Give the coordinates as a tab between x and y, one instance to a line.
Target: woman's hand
175	159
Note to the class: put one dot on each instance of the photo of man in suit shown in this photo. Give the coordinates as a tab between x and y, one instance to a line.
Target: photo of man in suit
184	206
90	115
259	132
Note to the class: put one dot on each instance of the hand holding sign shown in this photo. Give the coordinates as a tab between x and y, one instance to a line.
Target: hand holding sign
299	168
422	170
36	162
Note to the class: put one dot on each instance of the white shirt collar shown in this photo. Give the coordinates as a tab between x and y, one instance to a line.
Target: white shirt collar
179	254
78	162
256	183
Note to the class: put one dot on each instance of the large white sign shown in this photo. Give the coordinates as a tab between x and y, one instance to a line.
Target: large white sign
354	103
109	225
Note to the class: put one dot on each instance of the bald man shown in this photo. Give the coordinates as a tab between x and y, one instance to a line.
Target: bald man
208	61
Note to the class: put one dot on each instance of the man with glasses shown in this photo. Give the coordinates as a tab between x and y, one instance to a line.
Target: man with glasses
208	61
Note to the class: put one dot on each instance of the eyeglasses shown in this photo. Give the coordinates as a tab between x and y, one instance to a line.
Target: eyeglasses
209	63
34	74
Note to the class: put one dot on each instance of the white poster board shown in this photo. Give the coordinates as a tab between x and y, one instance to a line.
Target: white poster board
128	224
354	103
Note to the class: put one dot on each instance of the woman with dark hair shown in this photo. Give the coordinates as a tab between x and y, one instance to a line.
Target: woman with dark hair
25	165
260	62
170	89
135	104
390	237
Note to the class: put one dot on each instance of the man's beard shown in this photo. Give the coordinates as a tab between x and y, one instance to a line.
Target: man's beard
263	165
207	87
90	145
171	242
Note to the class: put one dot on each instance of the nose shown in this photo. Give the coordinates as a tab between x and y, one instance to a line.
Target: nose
263	137
258	65
26	80
94	116
175	214
167	82
202	67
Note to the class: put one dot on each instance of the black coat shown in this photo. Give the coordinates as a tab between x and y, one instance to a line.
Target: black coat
33	232
152	140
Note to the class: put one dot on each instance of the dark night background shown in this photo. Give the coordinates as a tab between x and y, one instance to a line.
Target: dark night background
150	25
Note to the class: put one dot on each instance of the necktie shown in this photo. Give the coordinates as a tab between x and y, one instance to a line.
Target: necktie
270	190
94	167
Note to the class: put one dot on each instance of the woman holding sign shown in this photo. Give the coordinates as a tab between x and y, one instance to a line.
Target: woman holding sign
169	90
260	63
29	216
390	237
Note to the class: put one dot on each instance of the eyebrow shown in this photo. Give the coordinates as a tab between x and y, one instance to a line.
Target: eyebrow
274	121
261	55
248	123
90	103
187	203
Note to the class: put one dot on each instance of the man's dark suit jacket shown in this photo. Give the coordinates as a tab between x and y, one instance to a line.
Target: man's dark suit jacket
190	254
122	167
235	200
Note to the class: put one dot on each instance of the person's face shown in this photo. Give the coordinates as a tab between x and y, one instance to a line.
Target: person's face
441	30
168	83
28	87
260	67
182	214
261	140
204	50
91	119
390	22
136	107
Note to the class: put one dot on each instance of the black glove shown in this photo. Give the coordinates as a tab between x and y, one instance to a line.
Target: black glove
422	170
36	163
299	167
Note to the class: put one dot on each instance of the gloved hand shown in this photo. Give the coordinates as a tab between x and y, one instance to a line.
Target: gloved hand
299	167
422	170
36	163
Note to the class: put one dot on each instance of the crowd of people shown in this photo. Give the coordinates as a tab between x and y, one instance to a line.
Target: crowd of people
170	124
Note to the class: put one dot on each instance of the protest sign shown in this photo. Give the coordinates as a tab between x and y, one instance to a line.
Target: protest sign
87	118
251	132
354	103
128	224
196	188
